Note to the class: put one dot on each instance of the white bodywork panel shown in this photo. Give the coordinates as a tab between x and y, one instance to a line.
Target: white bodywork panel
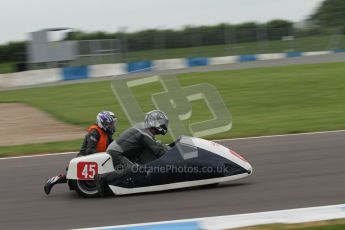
221	151
122	191
98	158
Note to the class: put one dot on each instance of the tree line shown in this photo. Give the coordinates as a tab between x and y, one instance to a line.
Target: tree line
169	39
191	36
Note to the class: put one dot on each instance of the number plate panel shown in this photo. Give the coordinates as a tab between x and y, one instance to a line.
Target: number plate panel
86	170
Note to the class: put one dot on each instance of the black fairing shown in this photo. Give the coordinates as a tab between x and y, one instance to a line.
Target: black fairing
206	165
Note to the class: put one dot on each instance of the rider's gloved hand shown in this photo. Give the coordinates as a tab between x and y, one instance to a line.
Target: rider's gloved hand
166	147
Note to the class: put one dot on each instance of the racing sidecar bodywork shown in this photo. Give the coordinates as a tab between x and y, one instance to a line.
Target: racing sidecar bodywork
190	162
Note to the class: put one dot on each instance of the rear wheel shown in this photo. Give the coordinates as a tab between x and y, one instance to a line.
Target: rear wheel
86	188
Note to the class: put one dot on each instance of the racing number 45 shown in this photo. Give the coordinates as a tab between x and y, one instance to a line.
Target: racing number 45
87	170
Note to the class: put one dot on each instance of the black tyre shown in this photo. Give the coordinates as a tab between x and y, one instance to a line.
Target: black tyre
86	188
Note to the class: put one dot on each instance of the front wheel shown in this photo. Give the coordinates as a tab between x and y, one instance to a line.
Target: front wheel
86	188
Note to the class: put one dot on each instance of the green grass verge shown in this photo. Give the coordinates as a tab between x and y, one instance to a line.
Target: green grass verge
262	101
29	149
7	67
338	224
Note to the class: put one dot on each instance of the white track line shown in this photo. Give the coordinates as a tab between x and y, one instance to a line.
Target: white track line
230	139
287	216
38	155
281	135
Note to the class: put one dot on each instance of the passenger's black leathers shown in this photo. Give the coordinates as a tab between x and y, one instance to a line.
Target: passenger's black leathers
90	142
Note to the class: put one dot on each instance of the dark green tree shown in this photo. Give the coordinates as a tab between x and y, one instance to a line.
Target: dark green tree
276	29
330	13
13	52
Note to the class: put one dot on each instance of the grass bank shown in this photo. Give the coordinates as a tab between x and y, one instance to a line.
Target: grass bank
262	101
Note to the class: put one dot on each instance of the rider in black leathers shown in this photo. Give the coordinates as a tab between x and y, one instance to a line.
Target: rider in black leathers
132	144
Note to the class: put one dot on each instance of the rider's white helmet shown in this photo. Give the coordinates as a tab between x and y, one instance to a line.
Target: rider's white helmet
158	120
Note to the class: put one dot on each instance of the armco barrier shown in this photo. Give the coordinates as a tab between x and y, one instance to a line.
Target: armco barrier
273	56
294	54
177	63
107	70
75	73
197	61
312	53
36	77
27	78
339	51
139	66
222	60
247	57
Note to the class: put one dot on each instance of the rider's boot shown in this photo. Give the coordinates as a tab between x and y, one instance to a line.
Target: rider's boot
101	183
53	181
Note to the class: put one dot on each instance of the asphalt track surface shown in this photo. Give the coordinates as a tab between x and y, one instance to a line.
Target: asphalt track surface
292	171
